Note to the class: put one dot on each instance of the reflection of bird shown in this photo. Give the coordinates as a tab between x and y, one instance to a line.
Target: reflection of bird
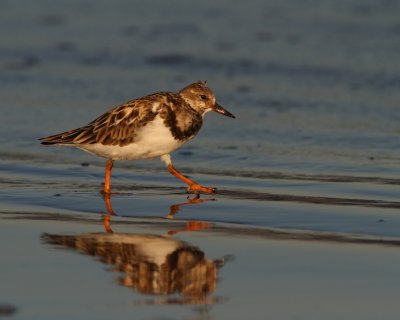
146	128
151	264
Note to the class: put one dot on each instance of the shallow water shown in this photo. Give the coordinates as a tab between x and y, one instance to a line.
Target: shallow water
306	214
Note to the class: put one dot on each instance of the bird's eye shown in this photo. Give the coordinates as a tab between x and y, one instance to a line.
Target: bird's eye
203	97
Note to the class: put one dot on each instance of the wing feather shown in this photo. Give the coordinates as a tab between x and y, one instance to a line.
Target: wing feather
118	126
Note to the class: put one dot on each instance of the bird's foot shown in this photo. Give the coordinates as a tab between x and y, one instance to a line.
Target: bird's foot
196	188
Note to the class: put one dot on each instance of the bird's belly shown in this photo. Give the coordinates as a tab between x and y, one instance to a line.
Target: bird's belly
153	140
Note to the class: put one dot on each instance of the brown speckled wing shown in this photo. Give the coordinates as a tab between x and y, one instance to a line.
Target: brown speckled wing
119	126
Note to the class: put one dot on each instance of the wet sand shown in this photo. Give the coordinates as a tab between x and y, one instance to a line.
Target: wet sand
305	223
256	274
166	256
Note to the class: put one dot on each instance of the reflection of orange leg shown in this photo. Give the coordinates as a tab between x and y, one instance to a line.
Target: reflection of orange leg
109	166
197	225
107	223
176	207
192	186
107	201
192	226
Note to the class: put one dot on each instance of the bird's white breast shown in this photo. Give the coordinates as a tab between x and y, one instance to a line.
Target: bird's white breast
153	140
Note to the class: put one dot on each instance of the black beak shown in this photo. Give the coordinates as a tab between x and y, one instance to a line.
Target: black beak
221	110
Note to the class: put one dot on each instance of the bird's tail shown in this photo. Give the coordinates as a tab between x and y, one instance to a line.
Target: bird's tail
64	138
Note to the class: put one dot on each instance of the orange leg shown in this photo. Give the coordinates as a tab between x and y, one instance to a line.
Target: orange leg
109	166
192	186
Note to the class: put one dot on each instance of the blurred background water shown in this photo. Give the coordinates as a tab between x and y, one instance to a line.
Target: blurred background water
314	84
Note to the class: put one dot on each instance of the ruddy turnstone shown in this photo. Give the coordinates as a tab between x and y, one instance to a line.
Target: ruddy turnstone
145	128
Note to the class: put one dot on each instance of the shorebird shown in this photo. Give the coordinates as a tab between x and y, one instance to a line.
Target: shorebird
145	128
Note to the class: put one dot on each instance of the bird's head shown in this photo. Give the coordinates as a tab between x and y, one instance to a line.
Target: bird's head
202	99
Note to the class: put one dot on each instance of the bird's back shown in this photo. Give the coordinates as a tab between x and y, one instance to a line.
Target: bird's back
122	124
